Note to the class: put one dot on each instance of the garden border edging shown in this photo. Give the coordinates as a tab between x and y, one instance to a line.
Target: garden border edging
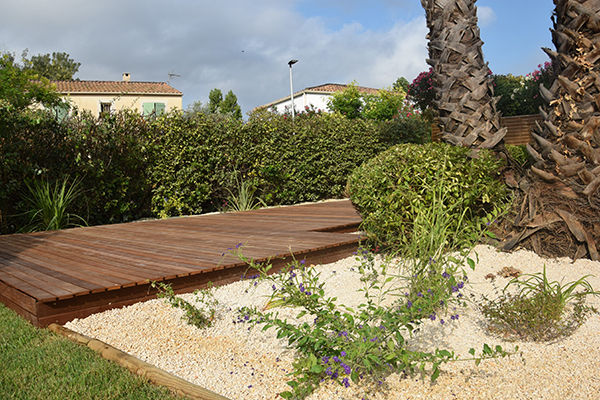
155	375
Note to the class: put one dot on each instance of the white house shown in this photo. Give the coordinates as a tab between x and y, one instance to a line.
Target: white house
315	96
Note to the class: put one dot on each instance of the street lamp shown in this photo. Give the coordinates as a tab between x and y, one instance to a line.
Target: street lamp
290	63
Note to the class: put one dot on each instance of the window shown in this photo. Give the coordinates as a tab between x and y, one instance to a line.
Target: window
153	108
105	108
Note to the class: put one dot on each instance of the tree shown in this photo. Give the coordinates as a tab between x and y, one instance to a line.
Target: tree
384	105
226	106
196	108
422	93
20	89
347	102
562	189
464	90
230	106
58	67
401	85
353	103
215	98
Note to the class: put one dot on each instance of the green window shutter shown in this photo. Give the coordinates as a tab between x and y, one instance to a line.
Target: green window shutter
148	108
159	108
61	112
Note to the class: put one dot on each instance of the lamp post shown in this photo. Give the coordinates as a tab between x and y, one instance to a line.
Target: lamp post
290	63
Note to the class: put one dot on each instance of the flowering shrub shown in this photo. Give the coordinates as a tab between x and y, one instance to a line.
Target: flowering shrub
366	343
421	92
520	95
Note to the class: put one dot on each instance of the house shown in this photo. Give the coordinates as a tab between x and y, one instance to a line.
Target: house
105	96
315	96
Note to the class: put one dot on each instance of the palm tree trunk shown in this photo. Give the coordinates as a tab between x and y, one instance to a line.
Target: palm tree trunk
467	108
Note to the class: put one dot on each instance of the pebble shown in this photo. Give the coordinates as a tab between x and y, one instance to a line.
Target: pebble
242	363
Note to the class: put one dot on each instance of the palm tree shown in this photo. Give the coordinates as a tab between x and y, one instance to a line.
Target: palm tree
567	143
559	210
467	108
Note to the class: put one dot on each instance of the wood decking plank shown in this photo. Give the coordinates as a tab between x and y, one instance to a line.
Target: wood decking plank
57	275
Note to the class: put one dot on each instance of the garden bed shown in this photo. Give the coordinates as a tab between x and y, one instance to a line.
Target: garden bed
238	362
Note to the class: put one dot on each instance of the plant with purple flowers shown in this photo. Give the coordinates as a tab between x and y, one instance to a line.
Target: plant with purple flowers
356	345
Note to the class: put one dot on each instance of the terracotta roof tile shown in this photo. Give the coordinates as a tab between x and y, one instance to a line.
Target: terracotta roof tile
115	87
336	87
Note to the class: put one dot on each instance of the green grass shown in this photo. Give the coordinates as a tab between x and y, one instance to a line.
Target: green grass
38	364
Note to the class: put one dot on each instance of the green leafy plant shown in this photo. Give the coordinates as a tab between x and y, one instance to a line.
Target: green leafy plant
395	188
539	310
49	205
201	316
518	153
243	199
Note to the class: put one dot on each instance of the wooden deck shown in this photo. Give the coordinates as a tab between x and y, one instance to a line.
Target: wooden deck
57	276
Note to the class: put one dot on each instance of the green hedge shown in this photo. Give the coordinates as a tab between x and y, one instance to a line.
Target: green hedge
178	164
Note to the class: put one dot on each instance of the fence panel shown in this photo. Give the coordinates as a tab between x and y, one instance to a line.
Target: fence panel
519	129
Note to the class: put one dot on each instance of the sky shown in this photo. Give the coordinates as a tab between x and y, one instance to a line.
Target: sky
245	45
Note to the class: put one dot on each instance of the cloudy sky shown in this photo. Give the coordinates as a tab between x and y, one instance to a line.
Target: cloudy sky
245	45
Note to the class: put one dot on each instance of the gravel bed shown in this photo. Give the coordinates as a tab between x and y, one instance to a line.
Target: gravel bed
239	363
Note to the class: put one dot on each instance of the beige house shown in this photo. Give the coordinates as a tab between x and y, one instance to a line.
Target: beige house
105	96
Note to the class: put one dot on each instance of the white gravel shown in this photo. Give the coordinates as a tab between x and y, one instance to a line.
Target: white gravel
239	363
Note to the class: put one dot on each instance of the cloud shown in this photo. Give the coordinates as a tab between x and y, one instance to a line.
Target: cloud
243	46
486	16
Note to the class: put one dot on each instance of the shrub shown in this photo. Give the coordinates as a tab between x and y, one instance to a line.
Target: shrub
391	190
407	126
181	163
539	309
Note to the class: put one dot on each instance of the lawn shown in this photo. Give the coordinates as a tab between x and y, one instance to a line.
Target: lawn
38	364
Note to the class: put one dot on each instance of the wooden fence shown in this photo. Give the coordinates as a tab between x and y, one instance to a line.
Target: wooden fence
519	129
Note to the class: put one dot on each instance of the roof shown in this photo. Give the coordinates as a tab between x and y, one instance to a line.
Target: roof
336	87
115	87
325	89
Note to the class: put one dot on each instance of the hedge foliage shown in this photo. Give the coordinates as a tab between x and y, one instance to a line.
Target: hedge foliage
392	189
175	164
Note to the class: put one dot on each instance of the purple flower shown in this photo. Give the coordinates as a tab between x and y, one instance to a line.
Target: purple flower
420	294
409	304
325	360
446	275
336	359
346	382
343	353
302	262
461	285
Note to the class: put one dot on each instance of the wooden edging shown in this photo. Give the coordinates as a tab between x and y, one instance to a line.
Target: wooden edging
155	375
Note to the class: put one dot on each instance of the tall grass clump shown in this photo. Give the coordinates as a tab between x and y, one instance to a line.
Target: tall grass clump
536	309
49	205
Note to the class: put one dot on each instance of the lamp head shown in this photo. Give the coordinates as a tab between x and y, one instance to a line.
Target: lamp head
292	62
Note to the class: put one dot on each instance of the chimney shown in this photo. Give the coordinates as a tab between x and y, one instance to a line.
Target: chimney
126	77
